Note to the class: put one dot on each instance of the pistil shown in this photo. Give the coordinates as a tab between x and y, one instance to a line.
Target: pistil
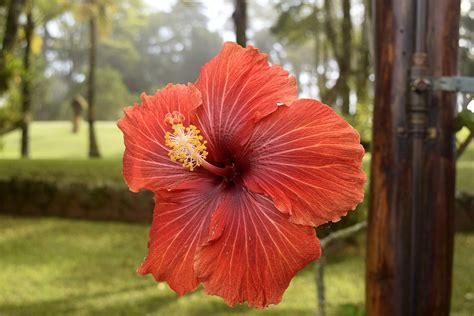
226	172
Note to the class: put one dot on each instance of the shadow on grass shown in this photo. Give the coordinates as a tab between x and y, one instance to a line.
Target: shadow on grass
214	305
156	303
222	309
82	304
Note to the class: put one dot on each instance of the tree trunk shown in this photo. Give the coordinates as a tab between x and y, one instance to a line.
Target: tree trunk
340	44
345	56
46	39
93	147
240	22
362	69
78	104
9	39
11	27
410	236
331	34
320	288
26	87
320	63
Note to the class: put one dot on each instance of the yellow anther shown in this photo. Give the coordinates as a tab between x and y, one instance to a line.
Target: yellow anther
185	143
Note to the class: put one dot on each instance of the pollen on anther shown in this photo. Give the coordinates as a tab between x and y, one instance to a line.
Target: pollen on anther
186	145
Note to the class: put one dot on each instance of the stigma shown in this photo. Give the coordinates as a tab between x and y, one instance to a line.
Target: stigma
185	142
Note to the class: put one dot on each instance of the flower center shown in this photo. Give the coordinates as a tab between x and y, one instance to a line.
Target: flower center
185	143
188	147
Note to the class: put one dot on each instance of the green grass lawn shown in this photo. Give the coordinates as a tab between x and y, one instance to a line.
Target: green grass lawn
54	140
59	155
58	266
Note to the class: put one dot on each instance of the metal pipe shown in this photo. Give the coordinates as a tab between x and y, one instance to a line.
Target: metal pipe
421	18
418	124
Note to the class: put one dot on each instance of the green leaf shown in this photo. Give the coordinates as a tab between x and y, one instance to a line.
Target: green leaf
465	119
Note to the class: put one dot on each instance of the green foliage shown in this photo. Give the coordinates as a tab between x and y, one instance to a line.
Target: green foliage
468	156
9	111
96	171
466	44
338	47
10	68
172	48
296	22
137	51
8	117
465	118
362	121
10	107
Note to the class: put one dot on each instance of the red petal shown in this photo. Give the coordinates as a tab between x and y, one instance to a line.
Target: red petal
180	224
308	160
238	88
145	162
253	250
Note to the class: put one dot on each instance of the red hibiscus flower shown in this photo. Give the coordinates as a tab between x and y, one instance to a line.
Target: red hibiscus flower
242	171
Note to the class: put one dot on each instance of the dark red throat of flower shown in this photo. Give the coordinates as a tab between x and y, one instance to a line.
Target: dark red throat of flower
188	147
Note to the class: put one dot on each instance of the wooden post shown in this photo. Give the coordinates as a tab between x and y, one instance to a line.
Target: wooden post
437	225
389	221
410	234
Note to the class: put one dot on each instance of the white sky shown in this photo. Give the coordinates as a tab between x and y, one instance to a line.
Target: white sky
218	12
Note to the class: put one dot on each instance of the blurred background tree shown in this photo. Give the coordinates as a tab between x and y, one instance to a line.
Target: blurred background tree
148	48
328	44
59	57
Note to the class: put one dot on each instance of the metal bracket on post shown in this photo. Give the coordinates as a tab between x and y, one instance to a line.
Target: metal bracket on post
446	83
453	84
